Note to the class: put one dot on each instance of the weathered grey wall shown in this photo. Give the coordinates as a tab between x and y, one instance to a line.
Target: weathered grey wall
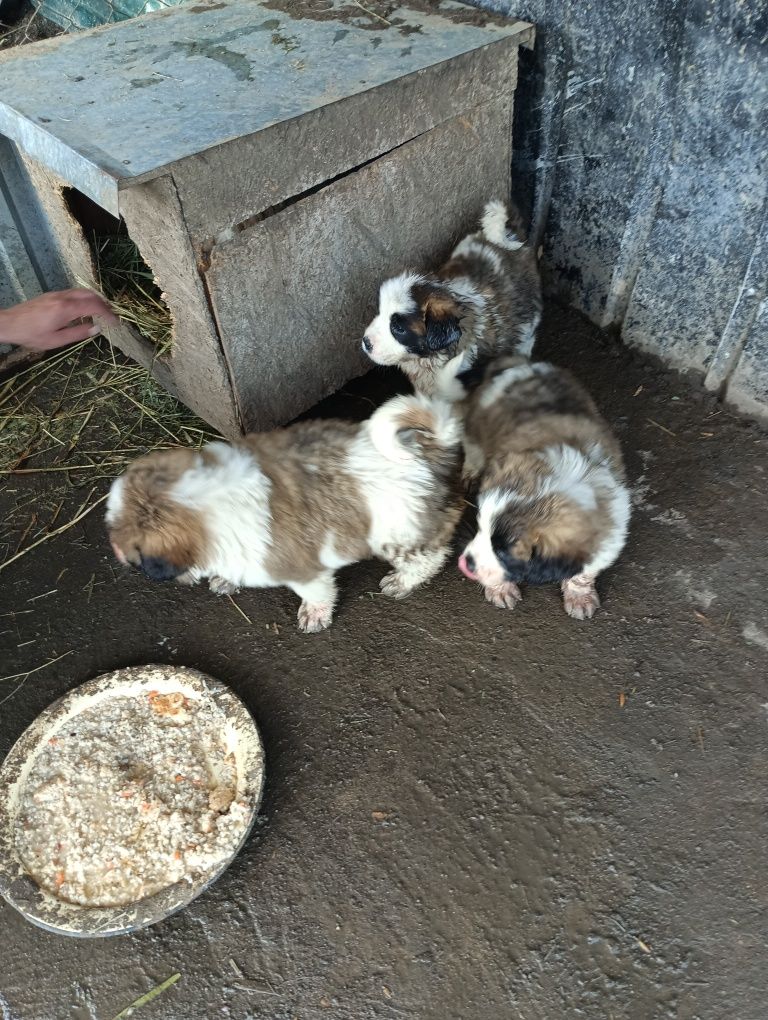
641	150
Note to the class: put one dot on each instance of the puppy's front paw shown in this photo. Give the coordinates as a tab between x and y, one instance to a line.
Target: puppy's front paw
221	587
580	599
314	617
395	585
503	596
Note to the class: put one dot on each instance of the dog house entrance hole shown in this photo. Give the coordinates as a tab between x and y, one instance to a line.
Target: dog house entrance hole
122	273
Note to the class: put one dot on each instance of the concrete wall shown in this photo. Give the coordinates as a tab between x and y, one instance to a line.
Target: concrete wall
641	150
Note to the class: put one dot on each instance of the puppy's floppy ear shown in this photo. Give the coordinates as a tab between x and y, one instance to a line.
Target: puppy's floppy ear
412	438
154	473
524	563
441	319
549	569
156	568
540	569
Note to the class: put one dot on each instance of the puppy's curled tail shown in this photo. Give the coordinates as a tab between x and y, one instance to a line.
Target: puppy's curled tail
461	374
503	225
411	428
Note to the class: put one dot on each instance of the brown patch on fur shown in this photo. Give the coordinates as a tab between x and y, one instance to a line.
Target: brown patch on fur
437	303
416	429
442	511
150	523
416	322
445	517
419	418
309	506
555	526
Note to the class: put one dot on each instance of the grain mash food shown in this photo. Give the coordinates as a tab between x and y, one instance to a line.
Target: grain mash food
129	796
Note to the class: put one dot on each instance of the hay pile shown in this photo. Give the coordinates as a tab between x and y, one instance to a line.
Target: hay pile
72	422
92	401
128	283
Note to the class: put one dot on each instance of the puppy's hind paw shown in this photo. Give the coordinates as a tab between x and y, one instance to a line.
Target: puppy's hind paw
221	587
314	617
580	599
503	596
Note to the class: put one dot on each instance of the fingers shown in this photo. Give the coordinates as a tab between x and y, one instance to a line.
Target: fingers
54	319
62	337
86	302
80	331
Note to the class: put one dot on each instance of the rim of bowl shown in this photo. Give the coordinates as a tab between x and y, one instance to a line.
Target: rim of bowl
47	911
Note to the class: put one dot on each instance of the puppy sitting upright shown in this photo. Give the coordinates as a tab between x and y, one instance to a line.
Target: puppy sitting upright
485	301
291	507
552	503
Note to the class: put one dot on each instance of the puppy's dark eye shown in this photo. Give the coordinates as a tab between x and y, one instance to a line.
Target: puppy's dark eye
397	326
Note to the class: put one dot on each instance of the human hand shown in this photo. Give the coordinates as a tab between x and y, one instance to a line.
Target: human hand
51	320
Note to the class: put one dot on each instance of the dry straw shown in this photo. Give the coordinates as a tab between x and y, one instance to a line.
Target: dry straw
129	285
73	421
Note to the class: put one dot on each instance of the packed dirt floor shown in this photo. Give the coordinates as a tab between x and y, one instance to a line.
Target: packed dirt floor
470	813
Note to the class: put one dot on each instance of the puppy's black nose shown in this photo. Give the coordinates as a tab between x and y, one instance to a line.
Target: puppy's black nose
367	345
469	559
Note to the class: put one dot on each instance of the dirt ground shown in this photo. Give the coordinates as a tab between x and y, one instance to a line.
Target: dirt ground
469	813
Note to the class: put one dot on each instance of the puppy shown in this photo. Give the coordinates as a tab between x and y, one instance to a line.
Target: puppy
486	301
291	507
552	503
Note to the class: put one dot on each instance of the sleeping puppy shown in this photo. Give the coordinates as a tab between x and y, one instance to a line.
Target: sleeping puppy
486	301
291	507
552	504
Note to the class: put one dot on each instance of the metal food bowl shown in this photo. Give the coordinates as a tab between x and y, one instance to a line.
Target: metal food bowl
48	911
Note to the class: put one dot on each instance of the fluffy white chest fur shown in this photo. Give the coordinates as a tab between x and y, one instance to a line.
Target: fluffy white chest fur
232	495
393	492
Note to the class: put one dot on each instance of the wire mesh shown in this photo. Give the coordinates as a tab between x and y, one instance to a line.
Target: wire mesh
26	21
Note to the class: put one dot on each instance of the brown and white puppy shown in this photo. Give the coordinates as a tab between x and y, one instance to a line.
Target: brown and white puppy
291	507
486	301
552	503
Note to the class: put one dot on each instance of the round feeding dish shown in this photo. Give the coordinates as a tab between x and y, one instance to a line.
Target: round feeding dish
127	798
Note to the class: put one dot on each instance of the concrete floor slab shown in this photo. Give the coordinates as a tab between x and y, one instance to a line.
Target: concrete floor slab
470	813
